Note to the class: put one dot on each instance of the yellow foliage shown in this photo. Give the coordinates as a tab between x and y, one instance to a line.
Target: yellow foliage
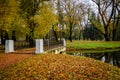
45	19
72	19
56	28
8	12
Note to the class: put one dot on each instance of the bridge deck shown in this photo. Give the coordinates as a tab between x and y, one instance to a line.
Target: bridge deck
32	50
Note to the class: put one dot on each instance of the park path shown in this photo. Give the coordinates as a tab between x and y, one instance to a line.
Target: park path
8	59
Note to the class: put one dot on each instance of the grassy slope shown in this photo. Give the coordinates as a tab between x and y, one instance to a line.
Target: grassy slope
60	67
93	45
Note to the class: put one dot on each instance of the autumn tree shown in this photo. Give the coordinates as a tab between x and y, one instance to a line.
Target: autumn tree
116	19
7	11
82	17
69	9
28	10
107	15
61	21
10	20
44	20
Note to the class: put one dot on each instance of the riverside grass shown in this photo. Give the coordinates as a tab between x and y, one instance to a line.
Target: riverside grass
93	45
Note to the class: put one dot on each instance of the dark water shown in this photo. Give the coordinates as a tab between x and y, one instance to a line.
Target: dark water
111	57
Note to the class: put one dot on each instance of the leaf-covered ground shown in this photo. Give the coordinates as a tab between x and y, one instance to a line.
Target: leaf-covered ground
8	59
60	67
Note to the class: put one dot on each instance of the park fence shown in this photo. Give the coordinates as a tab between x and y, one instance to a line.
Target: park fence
21	45
2	48
49	44
17	45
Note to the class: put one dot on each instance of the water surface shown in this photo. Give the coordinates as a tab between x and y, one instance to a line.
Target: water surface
111	57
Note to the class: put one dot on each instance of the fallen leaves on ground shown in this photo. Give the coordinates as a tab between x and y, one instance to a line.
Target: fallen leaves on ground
8	59
60	67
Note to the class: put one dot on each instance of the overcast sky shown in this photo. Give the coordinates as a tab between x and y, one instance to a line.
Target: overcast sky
90	2
86	1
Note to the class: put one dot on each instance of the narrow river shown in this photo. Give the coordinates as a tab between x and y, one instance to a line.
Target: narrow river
111	57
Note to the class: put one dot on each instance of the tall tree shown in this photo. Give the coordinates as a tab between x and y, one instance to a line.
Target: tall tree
7	13
44	20
106	10
10	21
28	10
82	17
60	17
116	19
70	10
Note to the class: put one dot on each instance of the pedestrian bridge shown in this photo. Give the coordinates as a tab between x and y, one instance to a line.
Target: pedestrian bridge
40	46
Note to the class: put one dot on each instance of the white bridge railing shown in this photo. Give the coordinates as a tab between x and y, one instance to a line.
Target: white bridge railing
40	45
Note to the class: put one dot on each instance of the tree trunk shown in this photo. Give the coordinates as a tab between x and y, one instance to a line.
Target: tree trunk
6	36
114	35
106	35
70	36
79	35
55	34
13	36
2	38
31	42
31	36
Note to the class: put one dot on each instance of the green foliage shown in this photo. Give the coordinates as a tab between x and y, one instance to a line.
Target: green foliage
45	19
98	25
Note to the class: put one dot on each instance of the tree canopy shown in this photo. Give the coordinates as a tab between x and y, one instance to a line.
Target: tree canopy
10	19
44	19
34	18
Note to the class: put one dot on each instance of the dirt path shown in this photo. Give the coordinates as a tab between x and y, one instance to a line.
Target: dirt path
8	59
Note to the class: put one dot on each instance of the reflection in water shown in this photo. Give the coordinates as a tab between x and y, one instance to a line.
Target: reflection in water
112	58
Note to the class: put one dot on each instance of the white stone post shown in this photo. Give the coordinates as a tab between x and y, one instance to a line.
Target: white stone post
9	46
39	46
64	42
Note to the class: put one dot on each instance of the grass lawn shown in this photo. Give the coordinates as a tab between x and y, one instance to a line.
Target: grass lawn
93	45
60	67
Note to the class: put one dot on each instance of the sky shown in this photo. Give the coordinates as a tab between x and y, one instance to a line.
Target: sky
87	2
90	2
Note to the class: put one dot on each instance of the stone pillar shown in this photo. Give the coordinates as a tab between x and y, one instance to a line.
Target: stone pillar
64	42
9	46
39	46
